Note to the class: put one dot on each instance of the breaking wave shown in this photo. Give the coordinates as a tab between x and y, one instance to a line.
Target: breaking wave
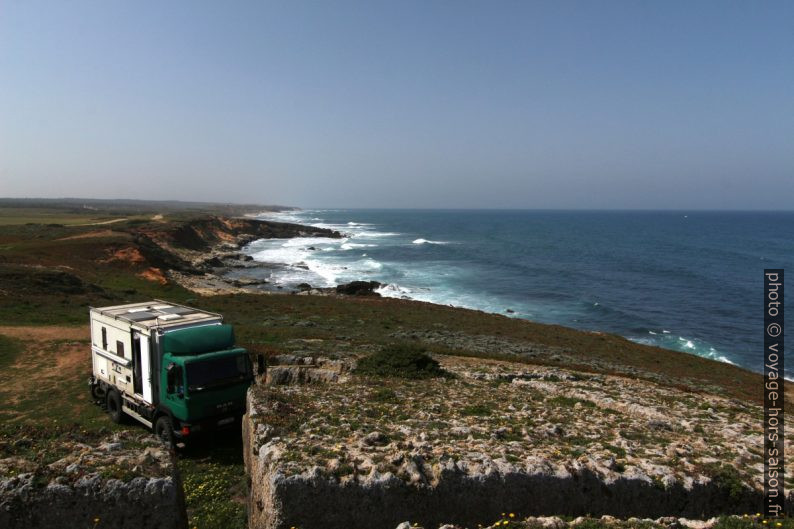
425	241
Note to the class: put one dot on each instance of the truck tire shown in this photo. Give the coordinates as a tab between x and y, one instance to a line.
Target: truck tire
113	402
164	430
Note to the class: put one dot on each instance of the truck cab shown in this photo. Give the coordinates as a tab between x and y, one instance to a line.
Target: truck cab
173	368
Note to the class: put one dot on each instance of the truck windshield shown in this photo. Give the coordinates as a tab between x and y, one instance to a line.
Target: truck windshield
217	373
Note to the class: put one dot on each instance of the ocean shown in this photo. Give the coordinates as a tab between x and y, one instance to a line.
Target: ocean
687	281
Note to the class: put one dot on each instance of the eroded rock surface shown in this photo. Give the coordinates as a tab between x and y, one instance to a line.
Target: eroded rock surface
495	437
126	481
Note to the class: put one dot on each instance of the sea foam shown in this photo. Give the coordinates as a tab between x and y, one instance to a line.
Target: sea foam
425	241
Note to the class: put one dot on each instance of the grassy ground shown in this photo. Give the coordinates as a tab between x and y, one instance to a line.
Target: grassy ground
52	269
17	216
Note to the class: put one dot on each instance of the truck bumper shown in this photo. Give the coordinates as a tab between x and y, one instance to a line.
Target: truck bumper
188	430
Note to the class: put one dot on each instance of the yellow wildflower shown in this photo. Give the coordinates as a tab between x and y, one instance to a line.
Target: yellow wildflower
512	515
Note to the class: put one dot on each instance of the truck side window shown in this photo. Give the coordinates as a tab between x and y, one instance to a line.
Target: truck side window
174	379
120	348
104	339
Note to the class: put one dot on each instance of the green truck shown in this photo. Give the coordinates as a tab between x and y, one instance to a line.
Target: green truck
176	369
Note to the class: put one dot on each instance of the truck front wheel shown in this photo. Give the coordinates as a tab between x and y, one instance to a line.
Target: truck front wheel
164	430
113	401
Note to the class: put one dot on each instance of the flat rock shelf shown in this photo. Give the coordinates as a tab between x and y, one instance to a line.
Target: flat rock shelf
494	437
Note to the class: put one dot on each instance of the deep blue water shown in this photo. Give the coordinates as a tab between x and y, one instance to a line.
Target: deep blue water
689	281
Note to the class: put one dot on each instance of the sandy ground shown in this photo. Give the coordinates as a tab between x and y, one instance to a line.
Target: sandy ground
46	333
90	235
111	221
32	373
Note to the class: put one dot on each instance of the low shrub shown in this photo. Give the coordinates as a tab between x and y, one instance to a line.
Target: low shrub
479	410
400	360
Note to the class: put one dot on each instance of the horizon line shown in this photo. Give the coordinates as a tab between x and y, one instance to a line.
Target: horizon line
407	208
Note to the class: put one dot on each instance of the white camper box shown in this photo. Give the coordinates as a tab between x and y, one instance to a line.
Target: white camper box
125	347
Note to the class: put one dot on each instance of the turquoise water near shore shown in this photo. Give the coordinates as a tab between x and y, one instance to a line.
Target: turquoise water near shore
687	281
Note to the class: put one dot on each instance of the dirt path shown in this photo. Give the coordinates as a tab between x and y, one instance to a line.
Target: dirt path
54	357
111	221
47	333
91	234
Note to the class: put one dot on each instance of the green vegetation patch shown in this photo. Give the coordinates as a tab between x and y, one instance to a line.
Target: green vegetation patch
571	402
9	350
214	482
477	410
402	361
727	478
384	395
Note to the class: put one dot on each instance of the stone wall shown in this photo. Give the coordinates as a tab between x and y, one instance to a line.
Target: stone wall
313	500
309	468
77	491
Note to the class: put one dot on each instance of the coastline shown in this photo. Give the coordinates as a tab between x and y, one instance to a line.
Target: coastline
210	255
524	400
226	269
653	285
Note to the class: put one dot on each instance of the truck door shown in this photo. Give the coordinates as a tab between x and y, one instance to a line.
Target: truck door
142	366
137	379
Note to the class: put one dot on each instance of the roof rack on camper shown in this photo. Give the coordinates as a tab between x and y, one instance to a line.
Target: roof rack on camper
157	313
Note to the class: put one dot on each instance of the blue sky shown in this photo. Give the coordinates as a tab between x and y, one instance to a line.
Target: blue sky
401	104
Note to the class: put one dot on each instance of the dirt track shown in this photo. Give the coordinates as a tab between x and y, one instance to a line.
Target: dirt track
32	373
46	333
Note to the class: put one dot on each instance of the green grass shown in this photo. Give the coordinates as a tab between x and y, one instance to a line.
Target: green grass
214	481
10	349
727	479
570	402
618	451
477	410
17	216
384	395
753	522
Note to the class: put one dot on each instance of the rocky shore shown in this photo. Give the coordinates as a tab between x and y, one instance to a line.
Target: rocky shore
203	255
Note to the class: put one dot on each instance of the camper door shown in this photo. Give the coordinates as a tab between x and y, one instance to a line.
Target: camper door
142	374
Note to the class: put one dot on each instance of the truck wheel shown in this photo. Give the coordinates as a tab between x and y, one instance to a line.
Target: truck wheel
164	430
113	402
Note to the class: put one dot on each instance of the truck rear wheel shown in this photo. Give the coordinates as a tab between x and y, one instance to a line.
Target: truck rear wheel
113	401
164	430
